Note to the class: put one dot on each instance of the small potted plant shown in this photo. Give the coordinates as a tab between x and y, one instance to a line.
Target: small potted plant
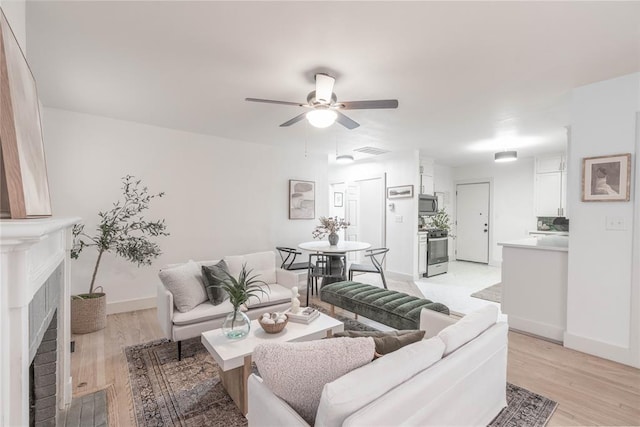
124	231
237	324
441	221
330	225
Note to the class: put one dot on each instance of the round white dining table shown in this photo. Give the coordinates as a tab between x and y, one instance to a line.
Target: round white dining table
342	246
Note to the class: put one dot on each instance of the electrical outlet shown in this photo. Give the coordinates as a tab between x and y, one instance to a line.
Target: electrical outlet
615	223
399	218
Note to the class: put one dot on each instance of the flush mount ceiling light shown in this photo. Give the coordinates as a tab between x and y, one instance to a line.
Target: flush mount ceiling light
506	156
321	117
343	159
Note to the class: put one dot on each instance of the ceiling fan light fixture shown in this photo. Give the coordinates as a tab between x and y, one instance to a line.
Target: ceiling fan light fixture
506	156
344	159
321	117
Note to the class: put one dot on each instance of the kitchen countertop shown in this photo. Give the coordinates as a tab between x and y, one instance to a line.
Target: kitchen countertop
548	243
550	232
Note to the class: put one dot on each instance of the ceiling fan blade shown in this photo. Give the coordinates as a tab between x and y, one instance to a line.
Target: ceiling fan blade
366	105
296	119
324	88
346	121
271	101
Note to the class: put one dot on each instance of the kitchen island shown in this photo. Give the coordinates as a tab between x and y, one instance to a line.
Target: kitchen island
534	285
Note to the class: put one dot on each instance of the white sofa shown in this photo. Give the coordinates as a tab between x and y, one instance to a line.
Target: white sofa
178	326
464	387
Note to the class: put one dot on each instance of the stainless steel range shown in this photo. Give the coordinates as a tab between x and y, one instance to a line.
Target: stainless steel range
437	252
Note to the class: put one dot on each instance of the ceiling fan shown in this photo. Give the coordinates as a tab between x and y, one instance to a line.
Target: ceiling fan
325	108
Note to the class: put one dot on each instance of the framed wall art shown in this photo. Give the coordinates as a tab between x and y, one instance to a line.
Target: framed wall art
338	199
24	187
400	192
302	199
606	178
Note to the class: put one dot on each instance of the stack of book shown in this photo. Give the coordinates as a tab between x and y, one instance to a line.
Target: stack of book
306	315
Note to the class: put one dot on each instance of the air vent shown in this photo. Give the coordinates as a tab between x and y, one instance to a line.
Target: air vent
371	150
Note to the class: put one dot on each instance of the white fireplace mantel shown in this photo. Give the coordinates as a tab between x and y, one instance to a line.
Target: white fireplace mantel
31	250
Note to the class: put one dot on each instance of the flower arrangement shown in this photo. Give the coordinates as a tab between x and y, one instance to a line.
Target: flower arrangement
329	225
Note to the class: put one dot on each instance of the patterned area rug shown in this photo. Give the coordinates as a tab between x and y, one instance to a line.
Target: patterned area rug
189	393
492	293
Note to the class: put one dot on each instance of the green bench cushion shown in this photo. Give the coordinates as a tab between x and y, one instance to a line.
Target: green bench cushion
391	308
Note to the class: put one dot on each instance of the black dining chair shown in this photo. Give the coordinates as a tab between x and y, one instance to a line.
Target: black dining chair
377	259
288	257
328	267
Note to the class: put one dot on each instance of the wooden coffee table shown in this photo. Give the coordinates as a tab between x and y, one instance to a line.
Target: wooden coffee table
234	356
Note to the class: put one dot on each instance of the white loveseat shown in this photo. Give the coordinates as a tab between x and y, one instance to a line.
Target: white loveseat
466	386
178	326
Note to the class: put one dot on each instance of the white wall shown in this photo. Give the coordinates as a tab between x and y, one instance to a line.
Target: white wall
402	168
511	204
223	197
603	289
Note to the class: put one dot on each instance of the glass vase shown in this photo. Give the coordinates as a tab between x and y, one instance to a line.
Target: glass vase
236	325
333	239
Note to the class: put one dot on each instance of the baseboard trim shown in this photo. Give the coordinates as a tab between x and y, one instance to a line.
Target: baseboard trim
131	305
605	350
544	330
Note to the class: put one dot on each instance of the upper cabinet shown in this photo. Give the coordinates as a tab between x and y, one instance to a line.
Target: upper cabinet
426	177
551	186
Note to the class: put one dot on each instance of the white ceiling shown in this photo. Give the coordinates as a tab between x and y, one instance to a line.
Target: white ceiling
465	73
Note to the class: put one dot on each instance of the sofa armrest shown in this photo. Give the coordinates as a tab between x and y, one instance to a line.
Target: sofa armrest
164	301
267	409
286	278
433	322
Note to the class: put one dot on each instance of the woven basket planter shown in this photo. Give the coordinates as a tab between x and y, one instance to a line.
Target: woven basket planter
88	314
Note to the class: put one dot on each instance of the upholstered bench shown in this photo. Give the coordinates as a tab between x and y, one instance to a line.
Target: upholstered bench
391	308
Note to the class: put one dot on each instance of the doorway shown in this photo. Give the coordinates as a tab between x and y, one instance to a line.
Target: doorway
472	222
365	210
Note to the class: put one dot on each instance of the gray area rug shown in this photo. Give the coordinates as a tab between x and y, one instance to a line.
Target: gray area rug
492	293
189	393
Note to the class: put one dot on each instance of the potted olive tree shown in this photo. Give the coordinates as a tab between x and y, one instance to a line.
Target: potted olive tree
121	230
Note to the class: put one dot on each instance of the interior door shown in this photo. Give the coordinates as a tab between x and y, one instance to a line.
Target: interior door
472	220
353	216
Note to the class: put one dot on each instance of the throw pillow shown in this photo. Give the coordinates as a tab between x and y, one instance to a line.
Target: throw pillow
297	371
467	328
213	276
360	387
185	283
386	341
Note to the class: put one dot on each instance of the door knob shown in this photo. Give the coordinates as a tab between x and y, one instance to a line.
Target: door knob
486	230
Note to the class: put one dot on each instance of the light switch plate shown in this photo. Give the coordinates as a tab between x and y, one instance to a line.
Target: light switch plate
615	223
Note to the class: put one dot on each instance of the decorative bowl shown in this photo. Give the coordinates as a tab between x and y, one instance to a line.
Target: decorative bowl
273	328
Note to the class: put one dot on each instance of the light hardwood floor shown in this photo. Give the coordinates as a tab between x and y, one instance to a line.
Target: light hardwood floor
590	390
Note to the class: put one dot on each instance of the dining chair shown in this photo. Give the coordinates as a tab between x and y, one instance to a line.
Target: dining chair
328	267
288	257
377	257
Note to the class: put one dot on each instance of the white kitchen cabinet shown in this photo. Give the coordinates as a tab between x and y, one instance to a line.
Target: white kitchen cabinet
426	184
422	254
551	186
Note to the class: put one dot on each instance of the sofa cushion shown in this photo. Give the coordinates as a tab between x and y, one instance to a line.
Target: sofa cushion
362	386
467	328
184	281
297	371
386	341
214	276
202	313
261	263
274	294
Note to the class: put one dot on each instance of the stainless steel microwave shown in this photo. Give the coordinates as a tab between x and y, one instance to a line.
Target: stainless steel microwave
428	205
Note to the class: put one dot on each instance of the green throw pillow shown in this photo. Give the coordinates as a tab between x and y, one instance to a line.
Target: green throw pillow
213	276
386	342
